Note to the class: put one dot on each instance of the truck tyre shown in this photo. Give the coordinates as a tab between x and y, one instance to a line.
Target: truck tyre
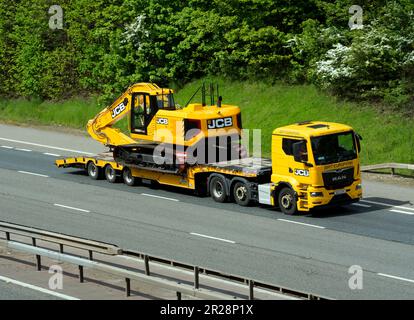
241	194
129	179
218	189
94	171
110	174
287	201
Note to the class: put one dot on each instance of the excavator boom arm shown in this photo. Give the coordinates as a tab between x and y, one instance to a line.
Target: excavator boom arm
101	126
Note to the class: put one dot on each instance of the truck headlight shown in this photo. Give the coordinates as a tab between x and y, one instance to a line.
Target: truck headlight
358	186
316	194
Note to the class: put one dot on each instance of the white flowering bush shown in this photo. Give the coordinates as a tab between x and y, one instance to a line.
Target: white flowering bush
378	64
336	67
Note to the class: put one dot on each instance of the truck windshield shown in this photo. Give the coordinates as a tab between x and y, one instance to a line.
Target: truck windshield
334	148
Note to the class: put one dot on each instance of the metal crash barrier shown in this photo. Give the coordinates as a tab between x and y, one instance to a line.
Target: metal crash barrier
250	286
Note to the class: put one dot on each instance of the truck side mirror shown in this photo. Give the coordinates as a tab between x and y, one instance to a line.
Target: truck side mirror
300	152
358	141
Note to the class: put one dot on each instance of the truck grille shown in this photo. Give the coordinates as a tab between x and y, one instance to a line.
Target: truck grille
337	179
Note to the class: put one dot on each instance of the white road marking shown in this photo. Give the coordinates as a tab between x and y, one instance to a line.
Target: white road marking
395	277
388	205
361	205
406	208
25	150
159	197
210	237
36	288
400	211
378	203
51	154
7	147
34	174
72	208
45	146
301	223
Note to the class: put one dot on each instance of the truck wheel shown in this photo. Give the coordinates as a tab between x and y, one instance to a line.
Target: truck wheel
110	174
287	202
129	179
241	194
218	189
94	171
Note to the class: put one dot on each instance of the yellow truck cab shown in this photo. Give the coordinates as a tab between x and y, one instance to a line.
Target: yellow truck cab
314	164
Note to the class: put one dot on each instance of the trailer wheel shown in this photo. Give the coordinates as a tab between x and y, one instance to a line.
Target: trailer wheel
241	194
287	201
110	174
129	179
94	171
218	189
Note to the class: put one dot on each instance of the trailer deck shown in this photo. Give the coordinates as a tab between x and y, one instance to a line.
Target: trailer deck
250	168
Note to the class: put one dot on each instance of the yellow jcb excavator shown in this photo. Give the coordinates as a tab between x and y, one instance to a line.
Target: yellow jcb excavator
203	131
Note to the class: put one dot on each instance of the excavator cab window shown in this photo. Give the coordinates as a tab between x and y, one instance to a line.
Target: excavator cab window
166	101
141	110
145	106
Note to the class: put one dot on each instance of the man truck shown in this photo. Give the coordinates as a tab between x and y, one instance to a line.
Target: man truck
313	164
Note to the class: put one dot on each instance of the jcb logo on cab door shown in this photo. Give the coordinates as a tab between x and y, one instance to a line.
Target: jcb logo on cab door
118	109
220	123
302	172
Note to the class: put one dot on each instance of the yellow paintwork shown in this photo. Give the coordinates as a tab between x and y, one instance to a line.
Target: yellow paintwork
303	131
283	164
171	130
101	129
185	179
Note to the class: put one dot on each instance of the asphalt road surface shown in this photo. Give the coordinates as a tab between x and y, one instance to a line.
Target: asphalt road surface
13	291
309	252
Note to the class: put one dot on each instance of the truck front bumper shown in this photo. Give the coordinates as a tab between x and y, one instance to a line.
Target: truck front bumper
323	198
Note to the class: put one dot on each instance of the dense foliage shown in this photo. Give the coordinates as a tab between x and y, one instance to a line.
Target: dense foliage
107	44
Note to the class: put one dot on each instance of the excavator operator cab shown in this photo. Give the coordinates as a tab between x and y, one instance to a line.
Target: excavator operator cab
145	106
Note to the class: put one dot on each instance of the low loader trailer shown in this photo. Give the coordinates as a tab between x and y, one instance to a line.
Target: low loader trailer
313	165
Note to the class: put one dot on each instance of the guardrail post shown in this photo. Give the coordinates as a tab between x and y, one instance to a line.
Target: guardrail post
81	274
178	295
8	236
90	255
61	248
251	286
196	278
392	171
147	269
38	258
128	287
38	262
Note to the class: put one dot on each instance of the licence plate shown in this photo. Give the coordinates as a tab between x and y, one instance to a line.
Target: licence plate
342	191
